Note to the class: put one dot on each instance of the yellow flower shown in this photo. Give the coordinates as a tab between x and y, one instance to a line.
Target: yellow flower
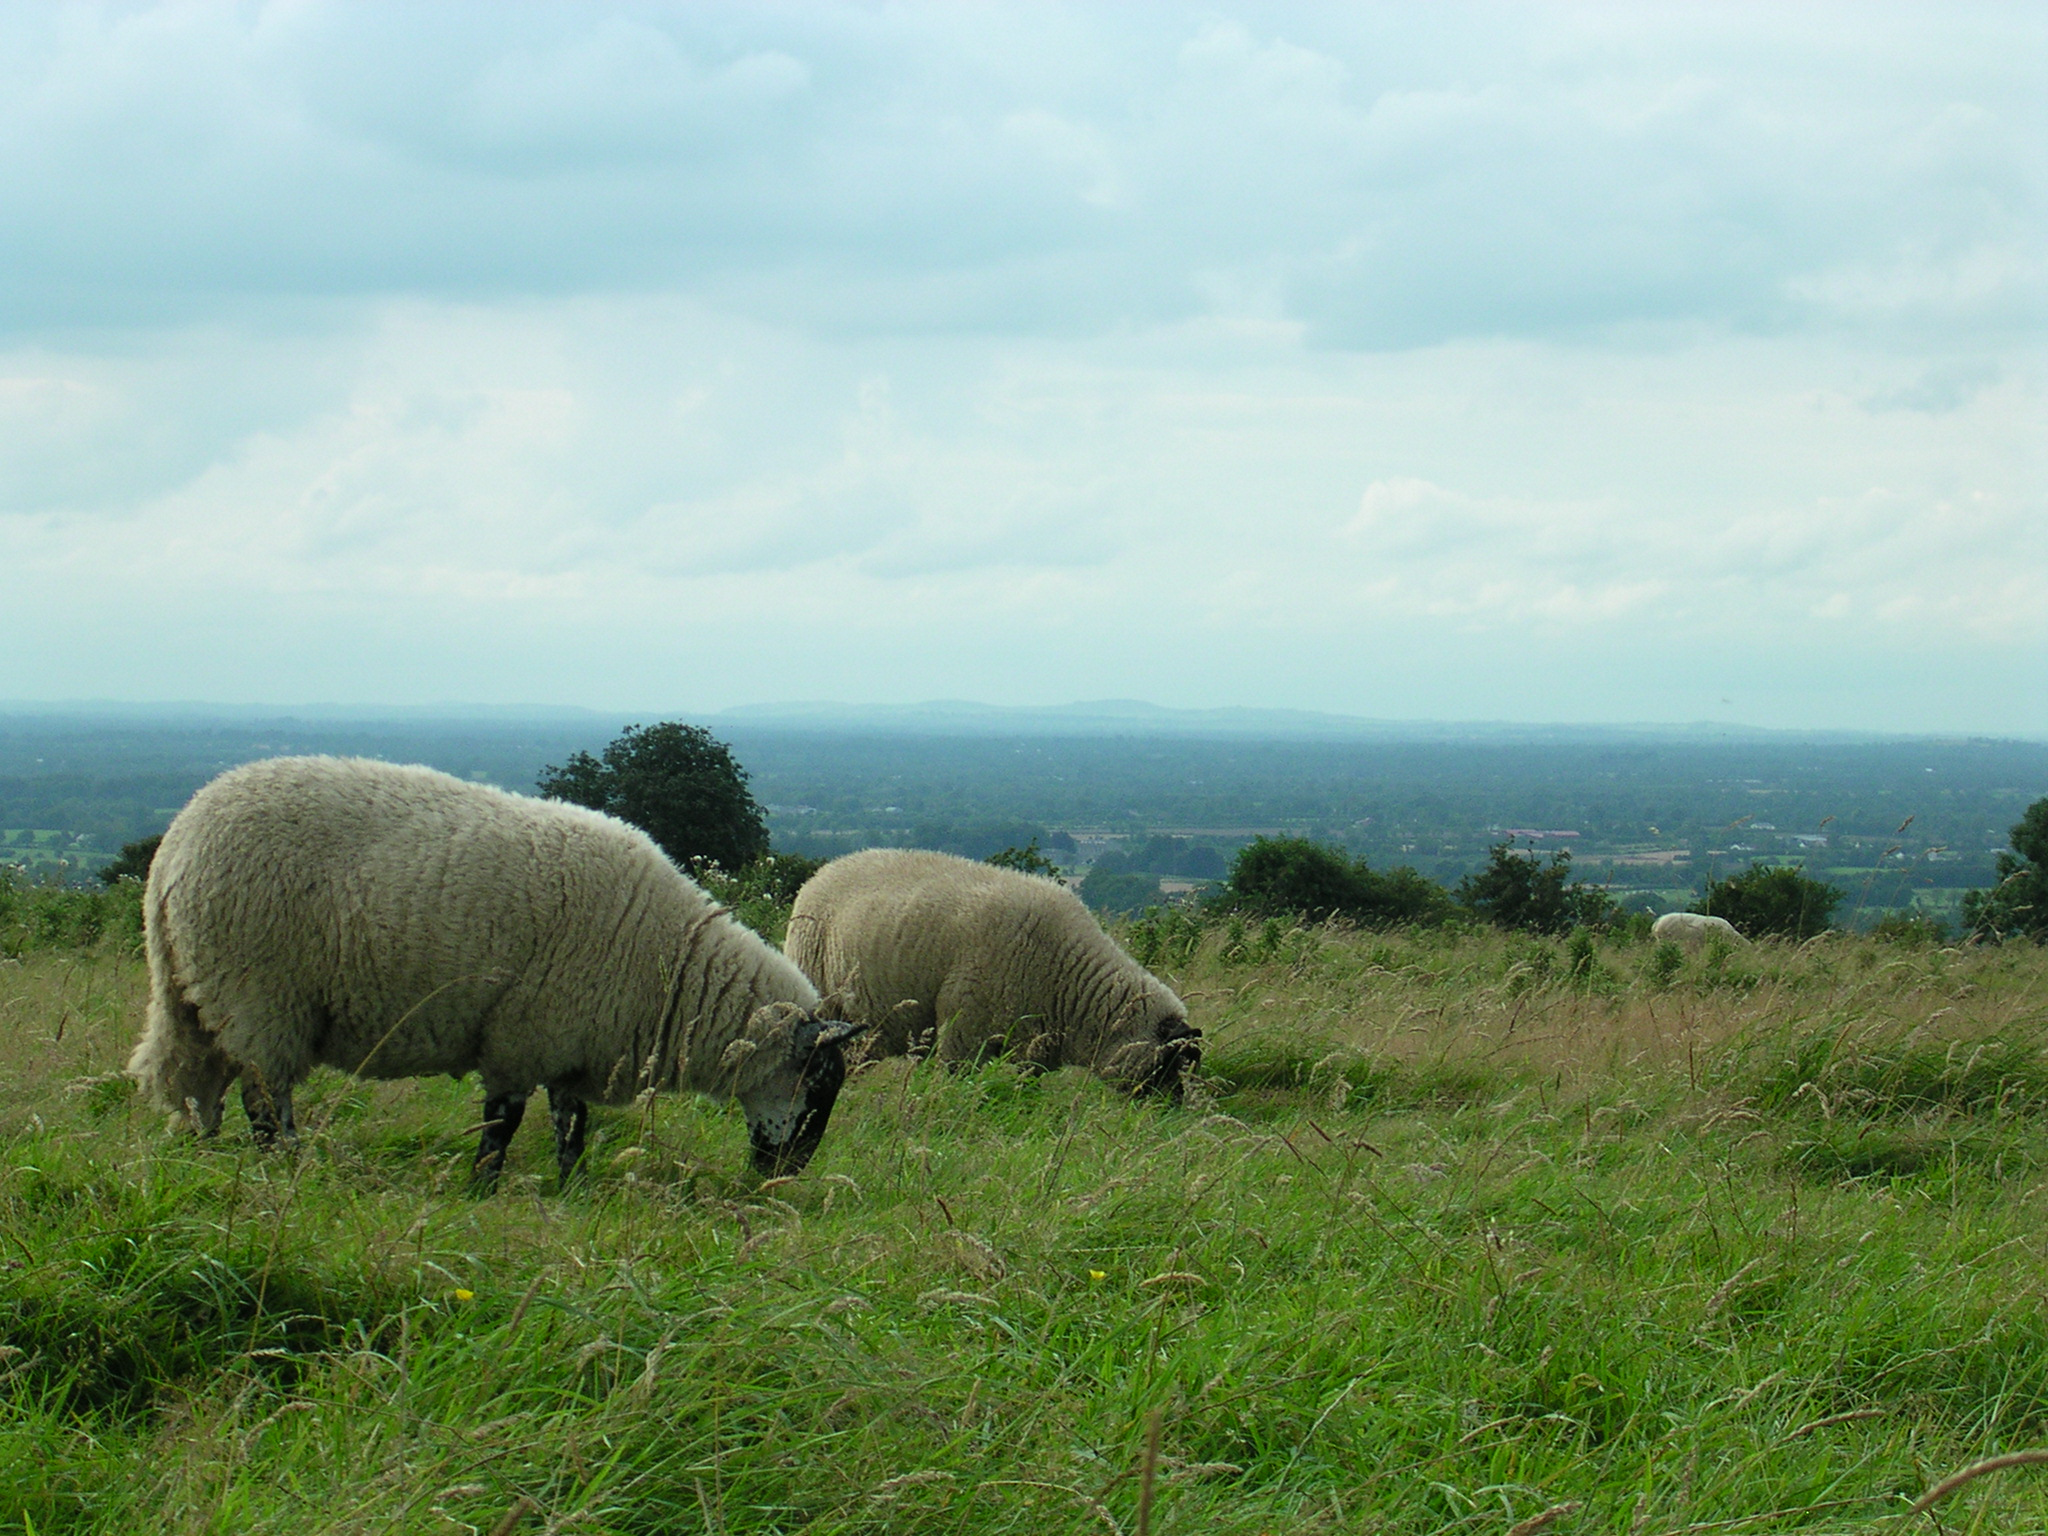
1098	1274
461	1295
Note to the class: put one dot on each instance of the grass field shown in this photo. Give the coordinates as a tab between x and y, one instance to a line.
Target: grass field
1460	1233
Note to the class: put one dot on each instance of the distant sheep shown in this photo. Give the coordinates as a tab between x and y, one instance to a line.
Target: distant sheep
983	961
396	922
1693	929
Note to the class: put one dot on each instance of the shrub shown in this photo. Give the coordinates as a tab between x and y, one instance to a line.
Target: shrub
679	784
1772	900
2016	907
760	895
1294	877
1164	936
66	917
1912	928
1664	964
1581	962
1523	893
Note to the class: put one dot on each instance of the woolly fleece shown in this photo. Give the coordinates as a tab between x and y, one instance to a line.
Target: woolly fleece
1693	929
396	922
981	960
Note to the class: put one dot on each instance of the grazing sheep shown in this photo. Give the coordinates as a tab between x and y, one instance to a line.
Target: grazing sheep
982	960
396	922
1693	929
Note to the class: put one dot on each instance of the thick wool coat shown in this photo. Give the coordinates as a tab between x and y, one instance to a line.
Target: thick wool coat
396	922
973	960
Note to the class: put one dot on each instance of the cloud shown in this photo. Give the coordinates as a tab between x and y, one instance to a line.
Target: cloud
1389	178
1407	360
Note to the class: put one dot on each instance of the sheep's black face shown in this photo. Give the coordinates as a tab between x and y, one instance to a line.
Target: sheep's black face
1177	1054
786	1124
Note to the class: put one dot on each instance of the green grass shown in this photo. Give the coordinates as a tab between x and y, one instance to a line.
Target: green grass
1447	1237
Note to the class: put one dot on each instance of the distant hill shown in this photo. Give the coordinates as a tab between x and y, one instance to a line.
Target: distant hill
1132	717
1110	718
190	712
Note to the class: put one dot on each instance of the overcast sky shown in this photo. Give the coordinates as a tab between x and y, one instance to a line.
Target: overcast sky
1531	362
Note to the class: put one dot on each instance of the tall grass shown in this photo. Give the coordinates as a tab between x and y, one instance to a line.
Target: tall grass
1454	1231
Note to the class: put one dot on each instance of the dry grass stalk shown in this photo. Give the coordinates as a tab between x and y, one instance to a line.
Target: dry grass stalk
1094	1506
1970	1474
525	1301
1542	1521
1728	1288
1853	1416
1148	1475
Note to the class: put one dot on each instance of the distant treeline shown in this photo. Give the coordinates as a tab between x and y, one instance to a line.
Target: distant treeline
1898	816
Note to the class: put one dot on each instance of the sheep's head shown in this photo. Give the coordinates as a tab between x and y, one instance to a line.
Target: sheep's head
1155	1057
788	1103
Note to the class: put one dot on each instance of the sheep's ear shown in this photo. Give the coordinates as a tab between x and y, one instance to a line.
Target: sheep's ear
814	1033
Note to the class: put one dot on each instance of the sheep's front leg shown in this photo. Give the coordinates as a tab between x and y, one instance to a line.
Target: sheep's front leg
269	1111
572	1120
502	1114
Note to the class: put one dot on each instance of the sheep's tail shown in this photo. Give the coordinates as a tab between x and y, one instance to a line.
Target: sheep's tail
176	1062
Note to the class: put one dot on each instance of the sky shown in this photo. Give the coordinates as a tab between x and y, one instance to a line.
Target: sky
1530	362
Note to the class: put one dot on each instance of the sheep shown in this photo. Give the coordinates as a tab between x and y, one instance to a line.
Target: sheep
981	960
396	922
1693	929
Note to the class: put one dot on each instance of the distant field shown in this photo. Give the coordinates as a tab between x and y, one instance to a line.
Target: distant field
1909	823
1450	1238
42	851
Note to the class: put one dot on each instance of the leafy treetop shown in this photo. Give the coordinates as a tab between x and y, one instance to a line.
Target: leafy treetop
134	861
1027	860
2016	907
1522	892
679	784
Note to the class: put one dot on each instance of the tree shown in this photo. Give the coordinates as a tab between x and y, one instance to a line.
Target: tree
679	784
2016	907
1026	860
1294	877
134	862
1522	892
1772	900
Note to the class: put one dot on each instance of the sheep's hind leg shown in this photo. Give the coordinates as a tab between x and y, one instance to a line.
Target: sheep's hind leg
572	1120
502	1114
269	1111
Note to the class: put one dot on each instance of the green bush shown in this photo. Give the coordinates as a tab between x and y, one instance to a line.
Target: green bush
1525	894
1766	900
1164	936
66	917
1664	964
1912	928
761	895
2016	907
1294	877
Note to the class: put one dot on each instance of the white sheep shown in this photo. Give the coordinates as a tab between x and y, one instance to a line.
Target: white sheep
1693	929
980	961
396	922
